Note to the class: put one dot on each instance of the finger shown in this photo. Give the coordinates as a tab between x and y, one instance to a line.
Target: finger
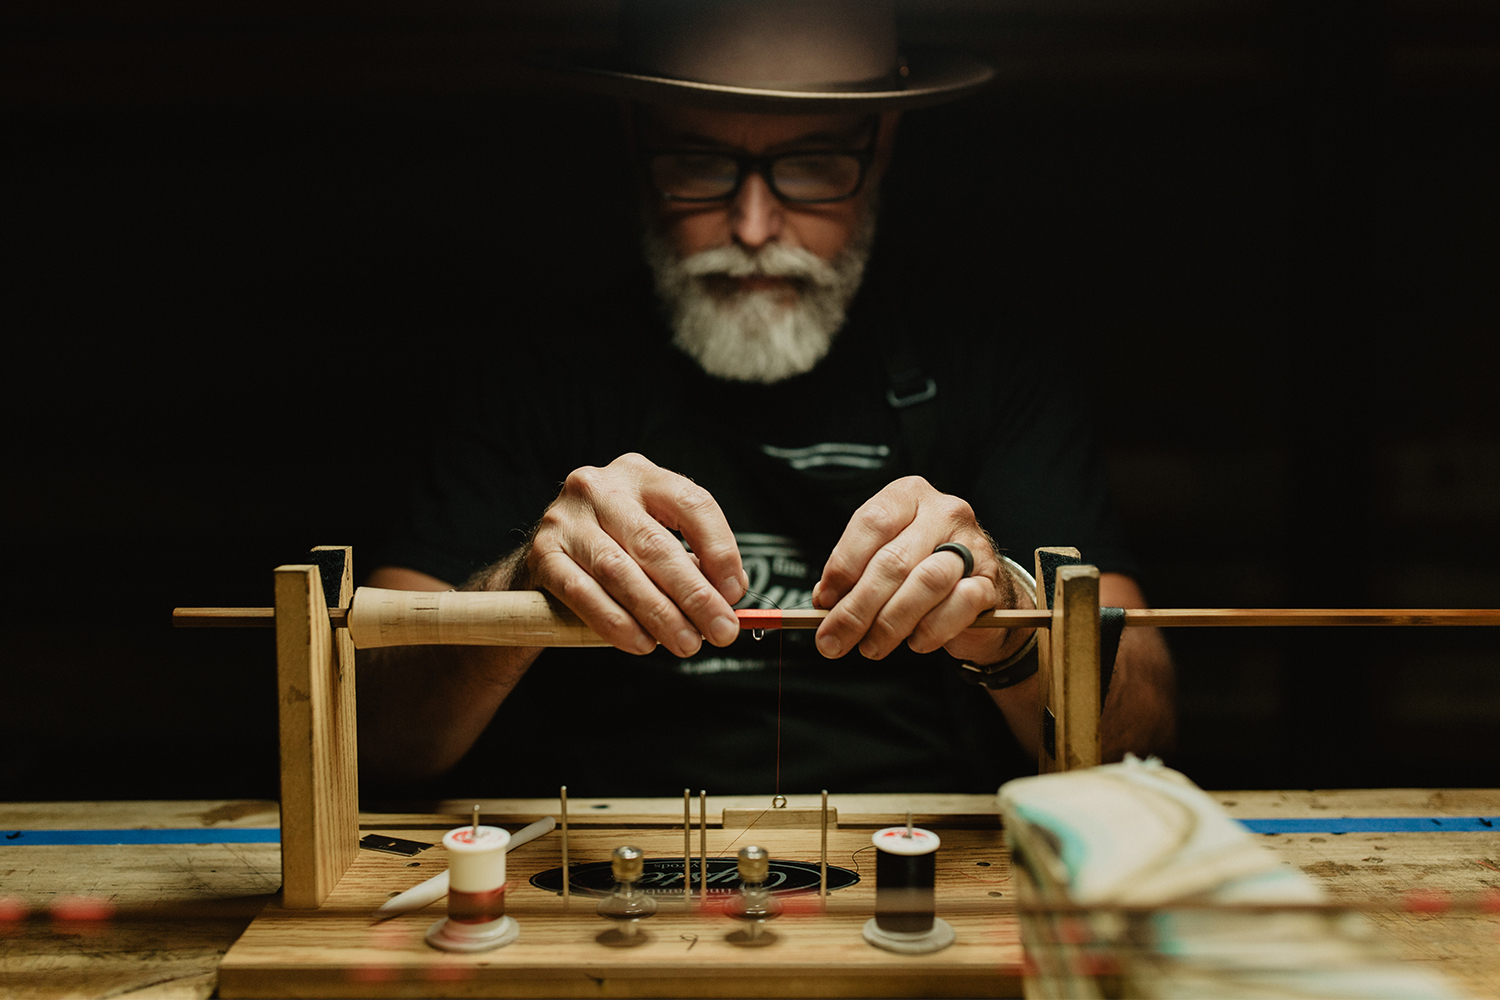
689	578
851	620
718	634
905	583
621	571
642	566
948	624
672	598
927	608
874	525
560	575
584	526
909	519
684	506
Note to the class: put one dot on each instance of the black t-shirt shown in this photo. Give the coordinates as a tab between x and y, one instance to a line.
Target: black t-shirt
788	463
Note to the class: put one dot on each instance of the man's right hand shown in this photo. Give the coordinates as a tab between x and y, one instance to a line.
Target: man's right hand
605	548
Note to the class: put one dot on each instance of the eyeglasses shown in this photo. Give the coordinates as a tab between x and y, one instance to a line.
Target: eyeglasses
802	178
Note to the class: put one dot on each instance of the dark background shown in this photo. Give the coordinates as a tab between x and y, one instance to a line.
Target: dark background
247	244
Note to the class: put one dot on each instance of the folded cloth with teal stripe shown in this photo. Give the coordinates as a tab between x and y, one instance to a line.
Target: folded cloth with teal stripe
1139	834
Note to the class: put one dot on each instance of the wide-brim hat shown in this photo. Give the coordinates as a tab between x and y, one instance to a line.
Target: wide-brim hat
776	56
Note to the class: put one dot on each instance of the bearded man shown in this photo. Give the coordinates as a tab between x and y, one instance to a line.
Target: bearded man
768	419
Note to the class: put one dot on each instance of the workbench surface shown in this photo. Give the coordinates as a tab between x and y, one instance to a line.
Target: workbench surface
181	905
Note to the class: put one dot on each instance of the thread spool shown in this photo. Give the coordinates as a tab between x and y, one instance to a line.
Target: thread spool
905	871
476	919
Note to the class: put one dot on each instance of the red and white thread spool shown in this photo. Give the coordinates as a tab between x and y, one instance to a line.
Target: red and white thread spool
476	919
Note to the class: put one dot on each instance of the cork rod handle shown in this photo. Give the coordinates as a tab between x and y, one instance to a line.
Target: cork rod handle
462	618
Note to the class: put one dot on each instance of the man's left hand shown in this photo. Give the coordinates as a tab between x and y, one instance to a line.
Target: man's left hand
884	583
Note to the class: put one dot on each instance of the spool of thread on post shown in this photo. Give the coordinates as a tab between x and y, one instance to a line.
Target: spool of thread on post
476	919
905	870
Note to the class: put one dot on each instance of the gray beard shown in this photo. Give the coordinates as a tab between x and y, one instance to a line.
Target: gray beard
756	336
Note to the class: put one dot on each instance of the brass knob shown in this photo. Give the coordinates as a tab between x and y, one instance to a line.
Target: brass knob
627	863
754	864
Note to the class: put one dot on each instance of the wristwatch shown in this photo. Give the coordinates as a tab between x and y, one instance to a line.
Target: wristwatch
1023	662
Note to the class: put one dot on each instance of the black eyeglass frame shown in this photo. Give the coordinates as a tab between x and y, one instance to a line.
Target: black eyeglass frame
745	164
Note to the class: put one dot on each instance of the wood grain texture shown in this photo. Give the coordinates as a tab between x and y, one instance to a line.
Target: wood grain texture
176	957
1355	867
148	955
319	777
224	617
864	810
1292	617
343	755
337	951
765	817
1359	802
1074	649
210	814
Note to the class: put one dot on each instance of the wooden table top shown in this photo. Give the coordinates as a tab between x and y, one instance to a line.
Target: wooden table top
179	906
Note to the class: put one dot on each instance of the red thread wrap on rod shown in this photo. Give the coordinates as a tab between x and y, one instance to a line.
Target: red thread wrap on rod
759	618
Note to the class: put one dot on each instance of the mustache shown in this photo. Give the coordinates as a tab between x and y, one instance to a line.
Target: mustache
773	260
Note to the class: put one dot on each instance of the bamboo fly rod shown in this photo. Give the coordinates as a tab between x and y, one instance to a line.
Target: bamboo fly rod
530	618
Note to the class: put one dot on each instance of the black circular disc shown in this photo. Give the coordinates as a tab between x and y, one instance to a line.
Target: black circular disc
663	877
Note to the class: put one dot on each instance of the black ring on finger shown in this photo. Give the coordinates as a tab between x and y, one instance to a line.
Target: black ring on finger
962	551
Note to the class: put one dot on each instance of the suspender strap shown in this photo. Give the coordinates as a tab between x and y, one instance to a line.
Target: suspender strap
912	393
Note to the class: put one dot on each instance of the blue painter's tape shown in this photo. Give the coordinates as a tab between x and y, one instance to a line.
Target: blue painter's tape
1377	824
242	835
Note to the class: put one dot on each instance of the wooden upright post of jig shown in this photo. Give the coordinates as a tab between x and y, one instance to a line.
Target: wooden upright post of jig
315	698
1074	649
1048	559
